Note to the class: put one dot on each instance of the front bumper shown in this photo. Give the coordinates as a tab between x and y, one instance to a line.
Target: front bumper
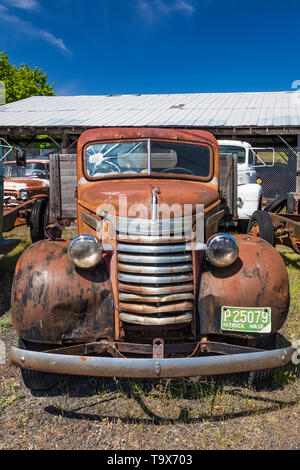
150	368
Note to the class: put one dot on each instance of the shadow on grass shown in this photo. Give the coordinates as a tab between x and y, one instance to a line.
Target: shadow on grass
184	415
7	269
291	262
207	390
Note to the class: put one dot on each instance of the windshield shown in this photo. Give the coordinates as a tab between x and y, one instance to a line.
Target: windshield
147	157
240	151
32	170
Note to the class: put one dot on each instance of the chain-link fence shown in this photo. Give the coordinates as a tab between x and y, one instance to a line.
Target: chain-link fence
278	173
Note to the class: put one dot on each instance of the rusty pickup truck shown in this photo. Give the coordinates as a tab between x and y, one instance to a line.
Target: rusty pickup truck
6	246
26	195
149	288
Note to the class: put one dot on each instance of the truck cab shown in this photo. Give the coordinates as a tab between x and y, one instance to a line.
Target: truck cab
249	192
148	288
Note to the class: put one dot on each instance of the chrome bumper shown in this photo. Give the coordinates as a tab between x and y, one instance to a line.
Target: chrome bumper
150	368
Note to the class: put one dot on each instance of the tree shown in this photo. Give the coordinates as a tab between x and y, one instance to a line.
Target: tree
22	82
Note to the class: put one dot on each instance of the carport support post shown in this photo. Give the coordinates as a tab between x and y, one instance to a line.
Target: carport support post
65	143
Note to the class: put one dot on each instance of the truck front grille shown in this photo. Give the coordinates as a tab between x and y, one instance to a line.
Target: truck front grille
155	283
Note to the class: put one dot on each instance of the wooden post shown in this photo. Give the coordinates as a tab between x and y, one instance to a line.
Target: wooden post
65	143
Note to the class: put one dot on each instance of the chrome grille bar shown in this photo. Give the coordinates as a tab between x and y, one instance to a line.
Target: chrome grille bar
158	298
149	309
155	321
133	268
155	279
132	248
155	290
124	258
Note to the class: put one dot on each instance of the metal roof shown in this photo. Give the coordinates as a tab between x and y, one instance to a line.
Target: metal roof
187	110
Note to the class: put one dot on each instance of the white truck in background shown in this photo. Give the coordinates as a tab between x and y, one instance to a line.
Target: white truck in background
249	192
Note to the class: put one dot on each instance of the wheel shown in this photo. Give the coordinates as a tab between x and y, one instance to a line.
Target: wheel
35	380
39	219
260	225
277	205
260	379
290	204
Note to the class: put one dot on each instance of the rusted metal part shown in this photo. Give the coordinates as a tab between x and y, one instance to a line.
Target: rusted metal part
116	349
150	368
146	309
158	348
54	302
213	347
287	230
11	215
53	231
257	279
254	229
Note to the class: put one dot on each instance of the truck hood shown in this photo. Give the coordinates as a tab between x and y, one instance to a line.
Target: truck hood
92	195
16	184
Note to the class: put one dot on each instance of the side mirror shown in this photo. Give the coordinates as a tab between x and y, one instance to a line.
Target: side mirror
20	157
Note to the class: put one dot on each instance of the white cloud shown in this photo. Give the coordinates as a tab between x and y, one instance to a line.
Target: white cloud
152	9
26	27
24	4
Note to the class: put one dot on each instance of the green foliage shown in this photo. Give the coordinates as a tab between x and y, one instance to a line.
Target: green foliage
22	82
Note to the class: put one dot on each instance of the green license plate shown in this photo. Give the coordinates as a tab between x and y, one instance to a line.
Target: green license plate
247	320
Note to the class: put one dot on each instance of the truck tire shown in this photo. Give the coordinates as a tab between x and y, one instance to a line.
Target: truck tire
261	379
34	380
39	219
290	204
277	205
260	225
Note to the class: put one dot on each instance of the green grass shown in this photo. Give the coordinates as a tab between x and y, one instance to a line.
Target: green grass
10	395
292	260
267	157
8	264
5	323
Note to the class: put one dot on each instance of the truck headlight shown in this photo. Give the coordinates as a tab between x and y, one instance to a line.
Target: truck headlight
85	251
23	194
222	250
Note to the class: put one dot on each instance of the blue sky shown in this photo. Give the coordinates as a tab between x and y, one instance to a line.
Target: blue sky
155	46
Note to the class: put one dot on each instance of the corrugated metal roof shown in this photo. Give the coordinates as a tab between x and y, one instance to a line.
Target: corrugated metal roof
280	109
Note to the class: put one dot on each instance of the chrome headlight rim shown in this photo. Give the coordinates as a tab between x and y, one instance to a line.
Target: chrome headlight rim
23	194
235	250
98	251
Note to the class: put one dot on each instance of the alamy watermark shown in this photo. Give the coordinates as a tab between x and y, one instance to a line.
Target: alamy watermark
2	353
2	93
296	355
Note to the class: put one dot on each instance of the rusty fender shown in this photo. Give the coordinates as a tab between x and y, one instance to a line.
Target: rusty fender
257	279
54	302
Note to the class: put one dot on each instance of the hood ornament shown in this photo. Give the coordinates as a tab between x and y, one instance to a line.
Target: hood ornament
154	203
